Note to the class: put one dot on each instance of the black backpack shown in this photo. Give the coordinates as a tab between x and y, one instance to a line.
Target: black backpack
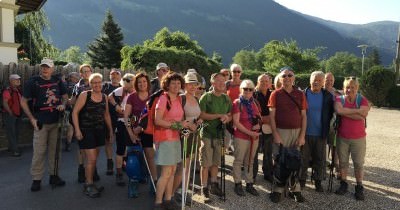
288	164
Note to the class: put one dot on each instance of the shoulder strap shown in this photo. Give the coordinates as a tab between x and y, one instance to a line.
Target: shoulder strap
342	99
294	101
183	100
358	100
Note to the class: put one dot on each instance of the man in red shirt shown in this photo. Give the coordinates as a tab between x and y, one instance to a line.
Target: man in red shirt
12	112
288	123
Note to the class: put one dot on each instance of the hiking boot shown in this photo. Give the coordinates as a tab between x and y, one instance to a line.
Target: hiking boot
99	188
96	176
268	178
205	195
81	174
35	185
171	205
318	186
359	193
119	180
158	206
302	184
239	189
250	189
297	197
215	190
342	189
56	181
110	166
275	197
91	190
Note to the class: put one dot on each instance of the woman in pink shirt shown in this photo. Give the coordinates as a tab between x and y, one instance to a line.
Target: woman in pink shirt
353	110
169	122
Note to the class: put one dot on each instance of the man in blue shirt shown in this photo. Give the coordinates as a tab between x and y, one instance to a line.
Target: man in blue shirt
319	114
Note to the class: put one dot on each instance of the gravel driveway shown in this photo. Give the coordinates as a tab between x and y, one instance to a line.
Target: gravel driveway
382	176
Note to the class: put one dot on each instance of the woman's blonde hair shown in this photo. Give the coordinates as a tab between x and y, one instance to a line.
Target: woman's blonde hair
95	75
350	80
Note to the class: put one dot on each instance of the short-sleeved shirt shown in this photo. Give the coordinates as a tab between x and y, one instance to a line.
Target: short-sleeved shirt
212	104
314	113
263	101
287	113
13	98
137	104
174	114
47	95
80	87
244	118
350	128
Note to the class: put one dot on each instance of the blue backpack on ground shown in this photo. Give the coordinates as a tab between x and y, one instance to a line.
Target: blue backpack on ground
135	169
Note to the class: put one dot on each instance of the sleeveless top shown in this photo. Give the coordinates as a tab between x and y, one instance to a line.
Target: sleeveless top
92	114
192	112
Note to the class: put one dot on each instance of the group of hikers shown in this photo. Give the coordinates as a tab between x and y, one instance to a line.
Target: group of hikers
178	124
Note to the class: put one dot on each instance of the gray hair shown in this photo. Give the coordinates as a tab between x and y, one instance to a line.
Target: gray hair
235	66
317	74
247	84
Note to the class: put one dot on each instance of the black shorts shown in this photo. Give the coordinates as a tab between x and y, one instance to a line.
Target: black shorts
92	138
147	140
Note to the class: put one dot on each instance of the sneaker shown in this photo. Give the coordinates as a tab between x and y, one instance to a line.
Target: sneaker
56	181
297	197
171	205
215	190
275	197
110	166
96	176
99	188
119	180
91	190
35	185
81	174
302	184
250	189
359	193
342	189
205	195
239	190
318	186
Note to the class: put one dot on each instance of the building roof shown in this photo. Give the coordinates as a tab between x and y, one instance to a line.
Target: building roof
29	5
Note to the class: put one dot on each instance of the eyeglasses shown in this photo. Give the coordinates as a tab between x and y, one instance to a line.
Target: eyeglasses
287	75
238	72
350	78
127	80
248	89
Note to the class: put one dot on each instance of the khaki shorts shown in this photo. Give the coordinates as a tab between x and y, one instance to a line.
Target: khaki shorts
210	152
355	147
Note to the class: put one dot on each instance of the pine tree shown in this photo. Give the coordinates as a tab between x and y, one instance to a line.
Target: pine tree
375	58
105	50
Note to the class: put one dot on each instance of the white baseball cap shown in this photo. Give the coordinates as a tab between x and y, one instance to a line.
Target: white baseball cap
48	62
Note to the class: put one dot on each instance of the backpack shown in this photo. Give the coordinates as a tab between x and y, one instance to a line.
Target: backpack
146	119
288	165
135	163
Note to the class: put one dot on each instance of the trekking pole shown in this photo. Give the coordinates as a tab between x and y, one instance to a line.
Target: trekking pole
190	165
331	172
222	179
185	133
194	166
59	136
148	169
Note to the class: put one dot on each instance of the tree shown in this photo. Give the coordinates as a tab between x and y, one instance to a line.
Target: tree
105	50
176	40
374	58
276	54
73	55
344	64
29	32
247	59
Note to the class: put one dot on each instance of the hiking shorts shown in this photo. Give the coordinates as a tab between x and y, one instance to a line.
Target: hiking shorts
210	152
92	138
168	153
355	147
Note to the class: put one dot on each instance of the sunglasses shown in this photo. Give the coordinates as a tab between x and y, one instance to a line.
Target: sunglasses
127	80
350	78
200	88
248	89
238	72
287	75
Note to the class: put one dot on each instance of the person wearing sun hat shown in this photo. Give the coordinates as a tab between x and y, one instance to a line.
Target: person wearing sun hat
161	70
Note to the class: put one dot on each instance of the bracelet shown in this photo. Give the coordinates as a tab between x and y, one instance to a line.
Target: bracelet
176	126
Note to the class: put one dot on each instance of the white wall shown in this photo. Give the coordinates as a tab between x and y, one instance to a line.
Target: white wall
7	30
8	54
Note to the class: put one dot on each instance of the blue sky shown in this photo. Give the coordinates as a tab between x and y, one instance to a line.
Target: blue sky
347	11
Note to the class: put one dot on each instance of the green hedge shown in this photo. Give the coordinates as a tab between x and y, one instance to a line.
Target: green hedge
393	98
146	58
376	83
